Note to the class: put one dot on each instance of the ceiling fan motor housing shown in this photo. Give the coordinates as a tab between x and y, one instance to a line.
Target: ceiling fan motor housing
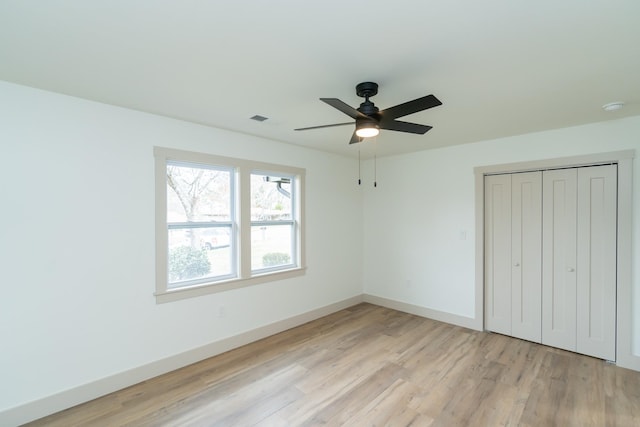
369	109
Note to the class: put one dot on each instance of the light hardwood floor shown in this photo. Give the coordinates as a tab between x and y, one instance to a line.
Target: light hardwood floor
372	366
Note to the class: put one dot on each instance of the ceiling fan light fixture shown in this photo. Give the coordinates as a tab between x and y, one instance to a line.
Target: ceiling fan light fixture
367	129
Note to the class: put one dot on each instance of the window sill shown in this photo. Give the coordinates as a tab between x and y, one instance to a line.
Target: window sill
212	288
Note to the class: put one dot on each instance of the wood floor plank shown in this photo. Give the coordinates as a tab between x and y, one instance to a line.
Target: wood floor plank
391	408
373	366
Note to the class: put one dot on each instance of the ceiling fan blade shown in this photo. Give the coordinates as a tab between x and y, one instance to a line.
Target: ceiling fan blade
399	126
410	107
355	139
345	108
325	126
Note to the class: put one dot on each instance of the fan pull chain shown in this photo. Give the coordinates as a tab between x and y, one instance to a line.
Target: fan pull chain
359	180
375	170
375	162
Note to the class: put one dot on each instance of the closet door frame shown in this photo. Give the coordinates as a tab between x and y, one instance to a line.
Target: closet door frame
624	317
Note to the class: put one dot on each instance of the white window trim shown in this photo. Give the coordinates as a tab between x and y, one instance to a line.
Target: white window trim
243	170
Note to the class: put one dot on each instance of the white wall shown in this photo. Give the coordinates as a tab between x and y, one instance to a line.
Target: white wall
419	230
77	243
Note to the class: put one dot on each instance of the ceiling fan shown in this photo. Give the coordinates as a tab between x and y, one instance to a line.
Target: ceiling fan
369	119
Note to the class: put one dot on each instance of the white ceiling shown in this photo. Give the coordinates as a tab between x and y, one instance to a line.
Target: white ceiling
500	67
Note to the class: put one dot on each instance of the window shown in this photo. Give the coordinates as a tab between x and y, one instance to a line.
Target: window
272	222
200	224
223	223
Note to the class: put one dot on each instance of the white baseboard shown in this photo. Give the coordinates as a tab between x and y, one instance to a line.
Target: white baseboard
454	319
86	392
628	361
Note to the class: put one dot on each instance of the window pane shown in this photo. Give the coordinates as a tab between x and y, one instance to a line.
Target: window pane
196	193
270	197
199	253
271	246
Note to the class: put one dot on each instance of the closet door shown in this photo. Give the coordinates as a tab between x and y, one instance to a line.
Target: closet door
526	255
550	257
559	258
498	253
596	256
513	234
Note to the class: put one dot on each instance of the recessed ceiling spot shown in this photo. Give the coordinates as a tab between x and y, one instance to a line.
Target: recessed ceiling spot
259	118
613	106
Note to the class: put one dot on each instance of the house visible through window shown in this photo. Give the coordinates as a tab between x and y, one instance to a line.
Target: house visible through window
223	223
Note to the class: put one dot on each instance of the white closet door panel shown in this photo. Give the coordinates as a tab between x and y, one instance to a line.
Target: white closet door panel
526	253
498	253
596	268
559	259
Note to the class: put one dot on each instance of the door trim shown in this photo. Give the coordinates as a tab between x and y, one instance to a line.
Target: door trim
624	160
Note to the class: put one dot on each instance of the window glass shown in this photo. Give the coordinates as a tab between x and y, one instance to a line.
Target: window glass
270	197
272	224
271	246
199	226
198	193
